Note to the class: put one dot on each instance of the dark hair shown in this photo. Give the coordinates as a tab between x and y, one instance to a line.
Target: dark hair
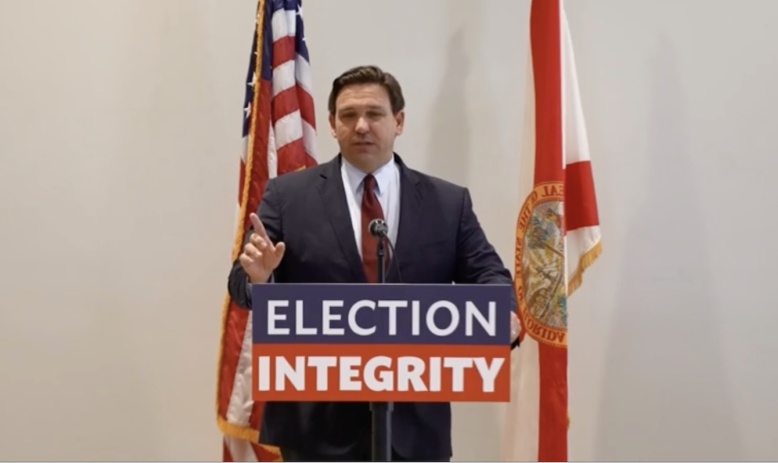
368	75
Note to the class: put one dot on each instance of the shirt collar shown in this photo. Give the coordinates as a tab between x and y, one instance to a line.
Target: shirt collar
383	175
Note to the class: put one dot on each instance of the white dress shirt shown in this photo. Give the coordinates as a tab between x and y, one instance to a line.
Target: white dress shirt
387	190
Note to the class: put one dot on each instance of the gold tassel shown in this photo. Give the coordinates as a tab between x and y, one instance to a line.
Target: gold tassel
584	262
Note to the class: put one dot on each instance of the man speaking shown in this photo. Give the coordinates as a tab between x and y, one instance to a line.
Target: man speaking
313	227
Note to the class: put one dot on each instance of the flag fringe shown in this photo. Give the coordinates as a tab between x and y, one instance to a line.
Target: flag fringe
238	431
584	262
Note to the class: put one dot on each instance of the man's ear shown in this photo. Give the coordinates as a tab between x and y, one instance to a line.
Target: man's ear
400	119
332	124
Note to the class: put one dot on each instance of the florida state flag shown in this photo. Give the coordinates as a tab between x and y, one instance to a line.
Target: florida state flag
557	238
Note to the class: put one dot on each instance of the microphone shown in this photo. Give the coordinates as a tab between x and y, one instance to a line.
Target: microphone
379	229
381	412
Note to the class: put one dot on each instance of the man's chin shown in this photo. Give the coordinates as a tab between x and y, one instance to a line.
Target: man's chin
363	151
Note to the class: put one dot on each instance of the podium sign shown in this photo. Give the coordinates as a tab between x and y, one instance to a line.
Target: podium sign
381	342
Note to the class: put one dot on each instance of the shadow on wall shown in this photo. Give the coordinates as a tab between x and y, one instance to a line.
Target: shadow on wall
449	143
665	393
476	427
167	236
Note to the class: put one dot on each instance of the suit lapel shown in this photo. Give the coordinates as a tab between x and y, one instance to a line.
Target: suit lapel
410	216
333	197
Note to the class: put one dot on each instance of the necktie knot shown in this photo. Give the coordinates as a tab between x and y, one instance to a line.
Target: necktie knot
368	184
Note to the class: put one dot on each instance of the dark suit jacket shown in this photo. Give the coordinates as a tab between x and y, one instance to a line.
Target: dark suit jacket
439	240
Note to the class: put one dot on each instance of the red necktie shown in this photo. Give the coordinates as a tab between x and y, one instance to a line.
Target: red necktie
371	209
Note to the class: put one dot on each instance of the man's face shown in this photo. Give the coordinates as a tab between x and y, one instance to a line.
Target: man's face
365	126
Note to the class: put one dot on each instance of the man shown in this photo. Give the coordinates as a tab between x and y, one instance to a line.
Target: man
311	228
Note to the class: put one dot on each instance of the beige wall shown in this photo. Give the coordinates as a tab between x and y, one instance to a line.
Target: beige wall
119	140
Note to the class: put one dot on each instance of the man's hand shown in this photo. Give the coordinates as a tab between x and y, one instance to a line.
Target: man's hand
515	326
260	256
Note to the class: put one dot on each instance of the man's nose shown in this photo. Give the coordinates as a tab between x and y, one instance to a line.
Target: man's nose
362	126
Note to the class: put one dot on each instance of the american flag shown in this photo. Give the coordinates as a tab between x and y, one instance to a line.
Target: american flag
279	133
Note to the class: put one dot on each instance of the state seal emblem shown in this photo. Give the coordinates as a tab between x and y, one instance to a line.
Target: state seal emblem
540	256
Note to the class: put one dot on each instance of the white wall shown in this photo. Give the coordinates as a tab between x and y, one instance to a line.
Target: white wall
119	140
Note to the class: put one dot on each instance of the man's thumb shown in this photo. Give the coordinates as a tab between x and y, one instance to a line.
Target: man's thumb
279	250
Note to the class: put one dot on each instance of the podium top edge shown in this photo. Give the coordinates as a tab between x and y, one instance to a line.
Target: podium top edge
480	285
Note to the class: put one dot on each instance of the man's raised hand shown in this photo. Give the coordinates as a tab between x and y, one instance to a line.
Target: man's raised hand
260	256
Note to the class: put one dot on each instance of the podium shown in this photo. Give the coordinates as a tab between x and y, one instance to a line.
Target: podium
381	343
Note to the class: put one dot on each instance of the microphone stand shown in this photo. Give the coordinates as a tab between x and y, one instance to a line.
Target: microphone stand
382	411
